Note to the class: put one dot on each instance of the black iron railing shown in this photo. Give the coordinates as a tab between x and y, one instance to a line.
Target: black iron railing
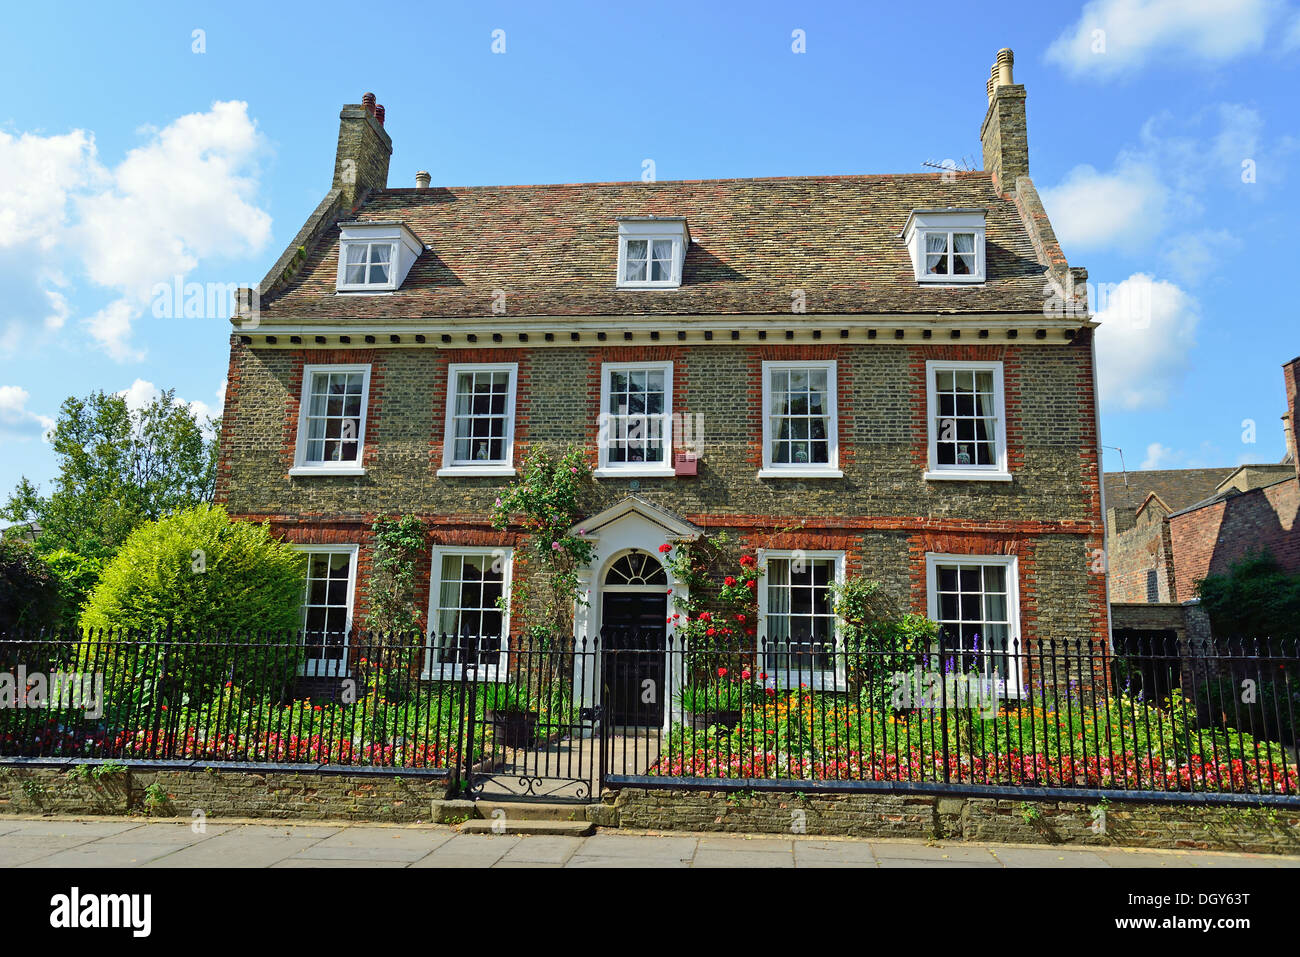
638	708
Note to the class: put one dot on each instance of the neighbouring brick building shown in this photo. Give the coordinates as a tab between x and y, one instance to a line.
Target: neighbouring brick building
1166	530
890	375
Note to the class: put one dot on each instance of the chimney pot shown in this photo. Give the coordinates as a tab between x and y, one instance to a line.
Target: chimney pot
422	180
1006	59
368	101
379	114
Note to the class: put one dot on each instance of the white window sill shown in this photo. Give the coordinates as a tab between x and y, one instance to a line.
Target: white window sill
304	471
461	471
649	285
800	473
966	475
653	471
950	280
365	291
809	680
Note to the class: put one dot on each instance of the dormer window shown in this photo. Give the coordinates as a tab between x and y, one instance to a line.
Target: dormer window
946	245
375	257
651	251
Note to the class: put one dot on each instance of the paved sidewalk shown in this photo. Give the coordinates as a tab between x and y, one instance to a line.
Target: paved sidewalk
128	843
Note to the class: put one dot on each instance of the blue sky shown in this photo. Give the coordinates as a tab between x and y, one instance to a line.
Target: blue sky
1163	136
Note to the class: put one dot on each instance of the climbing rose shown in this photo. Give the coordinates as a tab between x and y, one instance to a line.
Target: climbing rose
748	560
665	548
729	580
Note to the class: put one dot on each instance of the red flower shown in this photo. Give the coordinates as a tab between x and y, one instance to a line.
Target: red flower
745	674
748	560
665	548
751	584
729	580
740	618
710	631
722	672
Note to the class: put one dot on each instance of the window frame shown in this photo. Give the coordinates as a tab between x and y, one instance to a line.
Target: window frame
434	670
301	466
950	231
1014	686
828	469
607	469
652	229
832	679
321	667
996	472
343	285
450	467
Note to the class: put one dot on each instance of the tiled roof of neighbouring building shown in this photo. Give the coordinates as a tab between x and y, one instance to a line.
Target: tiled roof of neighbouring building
1177	488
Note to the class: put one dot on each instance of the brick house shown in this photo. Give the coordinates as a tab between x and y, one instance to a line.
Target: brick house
1168	529
887	375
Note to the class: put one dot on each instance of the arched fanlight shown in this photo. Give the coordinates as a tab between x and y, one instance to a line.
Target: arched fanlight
636	568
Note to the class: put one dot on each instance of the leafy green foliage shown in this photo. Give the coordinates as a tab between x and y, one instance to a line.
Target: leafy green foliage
399	545
546	501
878	641
117	469
1254	600
200	572
29	590
76	577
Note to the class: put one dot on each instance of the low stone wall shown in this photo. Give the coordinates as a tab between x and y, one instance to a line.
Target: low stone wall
288	795
1254	829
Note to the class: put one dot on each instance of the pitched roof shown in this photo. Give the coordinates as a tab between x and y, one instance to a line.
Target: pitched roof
1177	488
553	250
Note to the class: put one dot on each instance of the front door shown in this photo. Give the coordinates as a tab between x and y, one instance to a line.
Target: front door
633	629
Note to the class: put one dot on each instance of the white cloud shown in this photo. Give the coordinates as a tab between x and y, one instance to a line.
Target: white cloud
1114	37
16	420
1193	257
187	194
1124	207
1148	327
1161	456
1158	456
141	392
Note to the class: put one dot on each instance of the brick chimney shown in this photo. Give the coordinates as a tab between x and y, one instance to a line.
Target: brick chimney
1291	371
361	162
1004	135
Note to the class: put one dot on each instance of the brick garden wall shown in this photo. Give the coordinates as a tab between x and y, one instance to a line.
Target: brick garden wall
1207	541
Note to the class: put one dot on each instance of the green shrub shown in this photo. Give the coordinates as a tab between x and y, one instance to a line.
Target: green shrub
76	577
1256	599
203	577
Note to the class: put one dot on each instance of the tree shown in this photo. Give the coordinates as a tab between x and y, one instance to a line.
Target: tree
197	571
117	469
1255	599
29	591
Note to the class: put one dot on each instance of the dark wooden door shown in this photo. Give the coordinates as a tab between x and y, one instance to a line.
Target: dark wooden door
633	631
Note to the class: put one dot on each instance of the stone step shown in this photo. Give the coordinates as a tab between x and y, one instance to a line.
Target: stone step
529	811
517	826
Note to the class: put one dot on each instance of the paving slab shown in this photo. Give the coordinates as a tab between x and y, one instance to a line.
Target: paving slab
833	854
639	845
1045	857
746	845
100	854
582	861
23	849
542	850
378	843
86	830
470	850
166	834
300	862
237	848
706	858
931	852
